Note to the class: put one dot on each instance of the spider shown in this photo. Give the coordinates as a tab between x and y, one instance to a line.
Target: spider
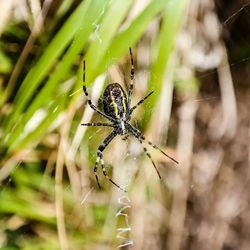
118	110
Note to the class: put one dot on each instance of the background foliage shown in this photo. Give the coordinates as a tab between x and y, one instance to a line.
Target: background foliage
194	55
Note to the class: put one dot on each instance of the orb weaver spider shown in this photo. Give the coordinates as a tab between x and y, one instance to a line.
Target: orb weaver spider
117	109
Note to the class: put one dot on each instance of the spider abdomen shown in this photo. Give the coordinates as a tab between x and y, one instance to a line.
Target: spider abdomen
115	102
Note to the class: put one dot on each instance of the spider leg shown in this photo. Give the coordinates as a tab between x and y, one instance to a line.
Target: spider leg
97	124
95	171
138	134
156	147
140	102
149	156
132	77
100	150
88	98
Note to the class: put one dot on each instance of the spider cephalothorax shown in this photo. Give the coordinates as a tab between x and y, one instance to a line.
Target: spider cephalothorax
117	109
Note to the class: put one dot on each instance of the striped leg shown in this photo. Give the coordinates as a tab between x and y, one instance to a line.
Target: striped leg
156	147
139	136
88	98
132	77
105	174
100	150
95	171
98	124
140	102
149	156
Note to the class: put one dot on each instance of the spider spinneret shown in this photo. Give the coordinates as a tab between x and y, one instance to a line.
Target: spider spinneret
117	109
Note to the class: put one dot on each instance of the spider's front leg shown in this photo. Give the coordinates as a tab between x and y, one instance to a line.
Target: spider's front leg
132	77
99	158
88	98
139	103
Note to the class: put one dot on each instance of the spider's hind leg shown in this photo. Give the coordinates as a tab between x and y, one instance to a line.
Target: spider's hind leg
99	158
156	147
95	171
138	135
150	158
141	137
106	175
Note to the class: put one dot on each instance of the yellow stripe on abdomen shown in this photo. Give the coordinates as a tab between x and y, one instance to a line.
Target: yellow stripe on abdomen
114	104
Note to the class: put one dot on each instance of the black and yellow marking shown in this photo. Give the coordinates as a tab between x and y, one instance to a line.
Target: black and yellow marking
114	105
117	110
115	101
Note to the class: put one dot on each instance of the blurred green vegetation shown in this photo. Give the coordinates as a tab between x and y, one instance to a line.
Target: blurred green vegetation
40	89
48	195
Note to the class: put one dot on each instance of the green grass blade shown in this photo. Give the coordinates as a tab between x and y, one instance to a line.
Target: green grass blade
34	136
18	203
46	62
132	34
172	20
110	23
48	90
